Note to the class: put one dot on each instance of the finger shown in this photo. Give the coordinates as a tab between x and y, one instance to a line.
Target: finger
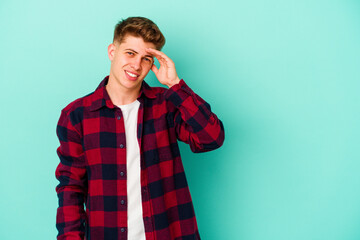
163	62
154	69
158	54
153	51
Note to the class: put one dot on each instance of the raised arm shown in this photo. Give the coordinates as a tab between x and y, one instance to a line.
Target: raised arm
194	122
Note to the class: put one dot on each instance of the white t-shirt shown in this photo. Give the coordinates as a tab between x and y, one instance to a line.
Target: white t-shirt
136	230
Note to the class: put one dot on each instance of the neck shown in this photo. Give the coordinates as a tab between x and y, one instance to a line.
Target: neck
120	95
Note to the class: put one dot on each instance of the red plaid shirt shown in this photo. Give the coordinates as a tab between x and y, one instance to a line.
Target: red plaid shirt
92	168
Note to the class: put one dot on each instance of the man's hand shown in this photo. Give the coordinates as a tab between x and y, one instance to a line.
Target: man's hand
166	74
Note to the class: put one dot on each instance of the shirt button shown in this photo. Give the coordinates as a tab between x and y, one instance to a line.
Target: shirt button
121	145
122	229
122	202
118	117
122	173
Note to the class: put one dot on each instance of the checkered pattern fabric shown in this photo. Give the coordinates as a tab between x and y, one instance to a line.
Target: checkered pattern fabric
92	173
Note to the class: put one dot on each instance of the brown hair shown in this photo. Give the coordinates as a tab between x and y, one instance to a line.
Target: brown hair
142	27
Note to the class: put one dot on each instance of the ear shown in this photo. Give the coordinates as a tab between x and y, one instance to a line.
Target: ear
111	51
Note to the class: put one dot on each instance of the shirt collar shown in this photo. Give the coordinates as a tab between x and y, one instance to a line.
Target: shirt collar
102	98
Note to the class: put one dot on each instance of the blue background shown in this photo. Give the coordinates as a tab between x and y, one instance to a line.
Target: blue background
283	76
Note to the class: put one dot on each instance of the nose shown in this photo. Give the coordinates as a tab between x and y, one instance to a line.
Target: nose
136	63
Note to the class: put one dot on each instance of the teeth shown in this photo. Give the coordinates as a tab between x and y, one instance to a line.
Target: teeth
131	75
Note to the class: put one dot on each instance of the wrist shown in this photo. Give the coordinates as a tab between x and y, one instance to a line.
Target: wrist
172	83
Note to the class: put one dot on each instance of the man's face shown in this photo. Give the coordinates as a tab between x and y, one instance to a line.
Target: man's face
130	62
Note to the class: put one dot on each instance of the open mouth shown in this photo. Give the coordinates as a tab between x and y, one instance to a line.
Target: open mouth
131	76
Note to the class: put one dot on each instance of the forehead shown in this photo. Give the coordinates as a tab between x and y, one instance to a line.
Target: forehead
135	43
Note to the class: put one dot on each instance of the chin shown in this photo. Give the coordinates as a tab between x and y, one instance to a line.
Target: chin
131	84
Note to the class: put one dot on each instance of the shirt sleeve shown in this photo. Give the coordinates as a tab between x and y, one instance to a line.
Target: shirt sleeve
71	173
195	124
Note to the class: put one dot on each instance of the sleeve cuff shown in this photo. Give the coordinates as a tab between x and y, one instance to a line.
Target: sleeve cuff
178	93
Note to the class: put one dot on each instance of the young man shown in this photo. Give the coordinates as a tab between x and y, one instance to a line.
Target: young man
118	147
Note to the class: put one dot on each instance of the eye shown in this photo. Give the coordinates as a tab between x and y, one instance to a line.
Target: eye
148	60
130	53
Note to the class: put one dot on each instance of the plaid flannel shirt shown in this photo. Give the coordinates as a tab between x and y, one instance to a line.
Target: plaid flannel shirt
92	168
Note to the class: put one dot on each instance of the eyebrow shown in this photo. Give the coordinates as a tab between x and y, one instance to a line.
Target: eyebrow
138	53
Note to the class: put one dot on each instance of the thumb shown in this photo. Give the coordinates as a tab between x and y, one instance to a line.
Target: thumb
154	69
